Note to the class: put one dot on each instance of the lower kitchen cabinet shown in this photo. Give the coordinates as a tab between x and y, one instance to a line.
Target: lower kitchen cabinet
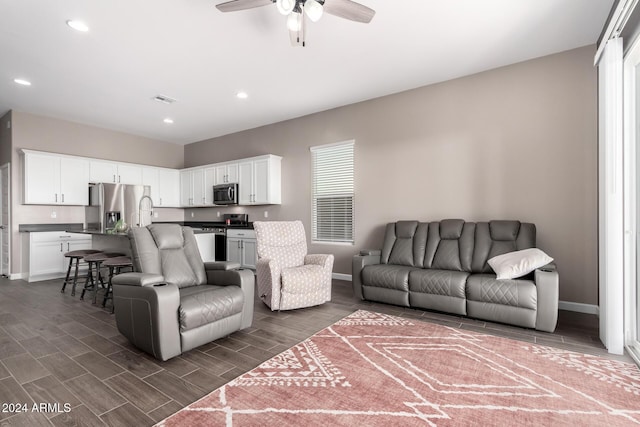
46	253
242	247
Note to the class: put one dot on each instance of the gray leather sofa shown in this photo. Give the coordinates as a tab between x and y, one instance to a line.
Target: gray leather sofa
443	266
174	302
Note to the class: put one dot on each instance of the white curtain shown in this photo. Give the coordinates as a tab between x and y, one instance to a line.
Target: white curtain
611	202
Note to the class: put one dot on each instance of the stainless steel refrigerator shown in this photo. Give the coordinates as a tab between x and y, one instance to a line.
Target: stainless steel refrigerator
109	203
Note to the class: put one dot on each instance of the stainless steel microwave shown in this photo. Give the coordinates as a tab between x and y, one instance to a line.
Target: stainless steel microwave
225	194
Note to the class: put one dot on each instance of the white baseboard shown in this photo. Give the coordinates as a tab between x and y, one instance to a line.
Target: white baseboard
19	276
579	307
341	276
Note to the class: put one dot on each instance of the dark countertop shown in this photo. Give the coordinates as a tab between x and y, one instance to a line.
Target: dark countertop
36	228
79	227
99	233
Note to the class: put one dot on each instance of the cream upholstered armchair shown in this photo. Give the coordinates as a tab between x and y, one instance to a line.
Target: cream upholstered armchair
288	278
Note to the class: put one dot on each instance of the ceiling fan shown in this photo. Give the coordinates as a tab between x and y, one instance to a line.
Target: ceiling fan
313	9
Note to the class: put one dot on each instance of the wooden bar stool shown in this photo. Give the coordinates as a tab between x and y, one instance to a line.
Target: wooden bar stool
75	256
115	267
91	282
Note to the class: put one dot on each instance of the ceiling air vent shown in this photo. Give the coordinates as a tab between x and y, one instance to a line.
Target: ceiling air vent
164	99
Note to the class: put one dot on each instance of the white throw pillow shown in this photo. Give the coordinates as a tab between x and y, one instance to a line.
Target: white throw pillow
518	263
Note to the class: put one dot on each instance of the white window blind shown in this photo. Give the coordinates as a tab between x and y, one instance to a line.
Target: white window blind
333	193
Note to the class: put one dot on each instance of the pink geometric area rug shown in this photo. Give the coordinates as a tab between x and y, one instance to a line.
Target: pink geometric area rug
372	369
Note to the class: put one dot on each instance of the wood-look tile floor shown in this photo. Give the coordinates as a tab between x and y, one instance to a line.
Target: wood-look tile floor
55	348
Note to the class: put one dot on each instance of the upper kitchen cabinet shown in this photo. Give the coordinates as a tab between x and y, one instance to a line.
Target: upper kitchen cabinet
259	181
165	186
192	188
53	179
114	172
169	188
226	173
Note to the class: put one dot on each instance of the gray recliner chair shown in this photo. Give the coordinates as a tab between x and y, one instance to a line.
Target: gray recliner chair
173	302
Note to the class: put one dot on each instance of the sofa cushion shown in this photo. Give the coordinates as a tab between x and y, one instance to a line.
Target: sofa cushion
449	245
438	282
305	279
200	305
517	293
499	237
387	276
398	247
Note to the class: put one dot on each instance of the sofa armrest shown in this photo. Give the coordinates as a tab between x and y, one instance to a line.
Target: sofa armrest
359	262
547	284
137	279
370	252
148	317
269	278
221	265
245	280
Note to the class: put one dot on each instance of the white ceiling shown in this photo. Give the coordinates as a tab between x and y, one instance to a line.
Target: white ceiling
190	51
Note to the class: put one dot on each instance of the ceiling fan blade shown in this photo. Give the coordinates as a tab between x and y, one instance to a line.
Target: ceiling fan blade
349	10
234	5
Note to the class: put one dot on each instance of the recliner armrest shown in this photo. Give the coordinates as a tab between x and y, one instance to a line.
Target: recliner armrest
138	279
549	267
370	252
359	262
221	265
547	285
318	259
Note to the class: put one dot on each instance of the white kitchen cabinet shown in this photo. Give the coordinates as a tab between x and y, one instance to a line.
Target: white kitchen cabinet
51	179
209	182
192	188
114	172
242	247
46	253
226	173
260	181
150	177
168	188
164	184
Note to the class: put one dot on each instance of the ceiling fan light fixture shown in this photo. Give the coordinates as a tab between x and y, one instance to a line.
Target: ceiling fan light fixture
294	21
285	7
314	10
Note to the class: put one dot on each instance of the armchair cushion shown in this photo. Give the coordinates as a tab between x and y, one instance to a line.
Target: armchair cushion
283	241
204	304
302	279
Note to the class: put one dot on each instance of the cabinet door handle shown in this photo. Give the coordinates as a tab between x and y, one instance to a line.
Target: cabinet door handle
239	244
114	177
62	197
60	247
160	201
56	197
118	179
68	248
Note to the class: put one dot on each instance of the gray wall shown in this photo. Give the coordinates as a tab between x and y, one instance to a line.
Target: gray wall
58	136
518	142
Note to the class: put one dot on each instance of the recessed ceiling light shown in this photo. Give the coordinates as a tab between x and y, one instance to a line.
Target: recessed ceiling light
242	95
22	82
168	121
78	25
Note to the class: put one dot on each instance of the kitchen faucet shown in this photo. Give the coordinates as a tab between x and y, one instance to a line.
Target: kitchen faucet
140	208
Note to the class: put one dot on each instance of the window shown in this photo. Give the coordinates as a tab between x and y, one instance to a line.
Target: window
332	193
